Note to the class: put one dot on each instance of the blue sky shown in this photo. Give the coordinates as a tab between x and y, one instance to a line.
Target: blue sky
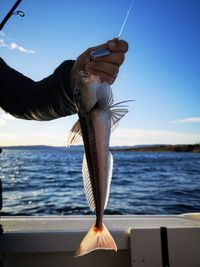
161	70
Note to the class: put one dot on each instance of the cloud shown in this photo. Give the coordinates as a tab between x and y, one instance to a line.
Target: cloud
188	120
20	48
14	46
2	43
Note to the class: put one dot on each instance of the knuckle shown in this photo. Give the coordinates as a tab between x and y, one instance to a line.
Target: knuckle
124	45
88	51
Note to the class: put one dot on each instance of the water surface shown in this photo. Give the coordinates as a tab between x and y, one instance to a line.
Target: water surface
49	182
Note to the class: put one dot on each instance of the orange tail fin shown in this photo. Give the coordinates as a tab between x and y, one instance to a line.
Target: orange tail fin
96	239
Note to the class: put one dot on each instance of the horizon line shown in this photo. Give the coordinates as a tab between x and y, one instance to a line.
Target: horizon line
81	145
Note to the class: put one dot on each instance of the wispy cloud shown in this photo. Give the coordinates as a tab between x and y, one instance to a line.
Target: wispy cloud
20	48
2	43
14	46
188	120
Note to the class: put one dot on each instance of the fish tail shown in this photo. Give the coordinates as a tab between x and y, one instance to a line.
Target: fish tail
96	238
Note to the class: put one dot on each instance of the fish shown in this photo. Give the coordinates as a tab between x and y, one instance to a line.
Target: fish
98	116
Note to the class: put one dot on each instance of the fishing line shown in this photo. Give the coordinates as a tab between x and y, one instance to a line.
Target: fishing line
104	51
125	20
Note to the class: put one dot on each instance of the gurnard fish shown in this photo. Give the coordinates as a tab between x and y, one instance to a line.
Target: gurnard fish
97	117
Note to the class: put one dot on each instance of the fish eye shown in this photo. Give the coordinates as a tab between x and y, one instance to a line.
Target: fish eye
77	95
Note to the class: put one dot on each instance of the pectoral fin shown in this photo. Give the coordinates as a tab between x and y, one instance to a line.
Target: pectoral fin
104	96
118	111
75	135
116	115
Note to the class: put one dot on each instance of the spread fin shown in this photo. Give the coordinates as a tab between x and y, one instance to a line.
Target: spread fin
116	115
118	111
87	185
74	136
96	238
104	96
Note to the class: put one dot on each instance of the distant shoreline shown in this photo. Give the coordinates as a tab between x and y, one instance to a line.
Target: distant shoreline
161	148
140	148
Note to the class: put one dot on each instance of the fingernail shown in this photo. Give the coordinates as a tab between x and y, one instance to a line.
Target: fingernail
112	45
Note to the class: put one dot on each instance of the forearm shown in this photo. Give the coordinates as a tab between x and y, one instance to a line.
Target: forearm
47	99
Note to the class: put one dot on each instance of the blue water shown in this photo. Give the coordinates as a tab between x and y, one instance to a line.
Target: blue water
49	182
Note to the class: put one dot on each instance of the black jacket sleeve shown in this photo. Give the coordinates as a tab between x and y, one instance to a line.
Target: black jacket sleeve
47	99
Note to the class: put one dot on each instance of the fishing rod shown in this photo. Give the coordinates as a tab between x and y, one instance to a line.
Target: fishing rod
104	51
12	12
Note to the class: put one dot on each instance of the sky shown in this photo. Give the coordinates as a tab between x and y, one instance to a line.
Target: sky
160	71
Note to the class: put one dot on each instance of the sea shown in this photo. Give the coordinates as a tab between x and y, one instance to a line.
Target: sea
48	181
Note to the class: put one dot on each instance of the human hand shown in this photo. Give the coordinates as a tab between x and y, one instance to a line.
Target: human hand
106	67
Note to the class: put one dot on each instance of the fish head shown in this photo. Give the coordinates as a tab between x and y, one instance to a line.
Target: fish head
85	92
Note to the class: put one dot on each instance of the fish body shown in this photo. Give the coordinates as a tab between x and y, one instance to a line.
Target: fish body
96	134
97	114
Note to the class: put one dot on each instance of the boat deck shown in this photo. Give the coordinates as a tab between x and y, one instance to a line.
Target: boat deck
141	240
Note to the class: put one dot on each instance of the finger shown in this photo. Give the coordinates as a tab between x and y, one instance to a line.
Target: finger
117	45
107	68
113	58
113	45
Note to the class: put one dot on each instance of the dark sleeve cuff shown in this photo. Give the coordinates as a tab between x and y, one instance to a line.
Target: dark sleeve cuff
64	93
47	99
